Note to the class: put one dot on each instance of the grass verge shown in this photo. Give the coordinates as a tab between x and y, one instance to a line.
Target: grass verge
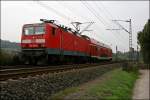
117	85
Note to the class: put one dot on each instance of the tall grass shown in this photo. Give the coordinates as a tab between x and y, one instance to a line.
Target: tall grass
115	85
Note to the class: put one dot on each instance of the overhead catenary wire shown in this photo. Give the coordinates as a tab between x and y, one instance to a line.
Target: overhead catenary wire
105	14
104	8
108	26
110	15
68	18
83	17
86	5
98	26
106	18
95	16
72	11
53	10
97	13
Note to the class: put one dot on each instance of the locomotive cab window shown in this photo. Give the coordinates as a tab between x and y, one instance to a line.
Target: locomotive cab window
53	31
39	30
29	31
33	30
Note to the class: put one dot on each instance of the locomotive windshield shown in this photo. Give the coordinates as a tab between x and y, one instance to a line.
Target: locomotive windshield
39	30
34	30
29	31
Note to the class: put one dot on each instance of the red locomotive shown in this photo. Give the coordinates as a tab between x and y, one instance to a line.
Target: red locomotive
50	42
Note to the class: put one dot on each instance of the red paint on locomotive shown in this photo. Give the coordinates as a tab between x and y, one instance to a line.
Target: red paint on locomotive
52	37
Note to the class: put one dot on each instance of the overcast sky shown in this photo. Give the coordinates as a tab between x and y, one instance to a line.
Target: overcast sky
14	14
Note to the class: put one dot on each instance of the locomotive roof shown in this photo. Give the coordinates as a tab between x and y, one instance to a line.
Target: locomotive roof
71	31
33	24
86	37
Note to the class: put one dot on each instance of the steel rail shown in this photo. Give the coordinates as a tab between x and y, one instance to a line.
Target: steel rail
25	72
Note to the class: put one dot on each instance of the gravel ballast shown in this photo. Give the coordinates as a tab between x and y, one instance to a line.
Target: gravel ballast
42	87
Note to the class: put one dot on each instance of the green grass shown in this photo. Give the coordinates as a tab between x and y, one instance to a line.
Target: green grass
117	85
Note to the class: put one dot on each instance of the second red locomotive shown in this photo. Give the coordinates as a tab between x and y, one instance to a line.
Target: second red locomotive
54	43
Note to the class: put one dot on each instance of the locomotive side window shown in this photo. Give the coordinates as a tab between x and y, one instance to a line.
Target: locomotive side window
29	31
53	31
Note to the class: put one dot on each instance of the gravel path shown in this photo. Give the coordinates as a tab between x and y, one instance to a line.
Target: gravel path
142	87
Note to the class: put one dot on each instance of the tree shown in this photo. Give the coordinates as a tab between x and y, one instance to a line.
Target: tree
144	42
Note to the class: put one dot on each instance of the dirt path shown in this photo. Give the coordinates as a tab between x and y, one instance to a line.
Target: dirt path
83	87
142	88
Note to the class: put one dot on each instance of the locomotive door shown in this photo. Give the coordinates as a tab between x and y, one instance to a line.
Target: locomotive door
61	42
91	50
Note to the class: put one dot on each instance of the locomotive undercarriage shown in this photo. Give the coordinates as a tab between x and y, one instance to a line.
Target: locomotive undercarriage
33	56
40	56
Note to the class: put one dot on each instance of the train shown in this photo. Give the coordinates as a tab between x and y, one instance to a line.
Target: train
48	42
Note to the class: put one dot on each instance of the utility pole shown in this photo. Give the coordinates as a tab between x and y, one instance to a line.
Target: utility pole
137	53
130	35
116	53
130	41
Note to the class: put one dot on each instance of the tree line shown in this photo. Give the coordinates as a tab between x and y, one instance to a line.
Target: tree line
144	42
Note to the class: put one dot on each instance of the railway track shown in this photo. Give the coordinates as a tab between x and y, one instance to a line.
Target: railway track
25	72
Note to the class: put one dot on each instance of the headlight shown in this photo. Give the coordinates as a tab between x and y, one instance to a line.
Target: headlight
26	41
40	40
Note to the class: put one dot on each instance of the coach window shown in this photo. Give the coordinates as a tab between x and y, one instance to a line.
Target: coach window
53	31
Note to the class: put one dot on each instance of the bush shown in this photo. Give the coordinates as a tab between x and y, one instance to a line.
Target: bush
5	58
9	58
130	67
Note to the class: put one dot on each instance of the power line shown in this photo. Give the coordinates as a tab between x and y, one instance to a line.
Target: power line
93	13
100	10
70	10
53	10
106	10
87	19
66	17
108	18
98	14
115	34
101	17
